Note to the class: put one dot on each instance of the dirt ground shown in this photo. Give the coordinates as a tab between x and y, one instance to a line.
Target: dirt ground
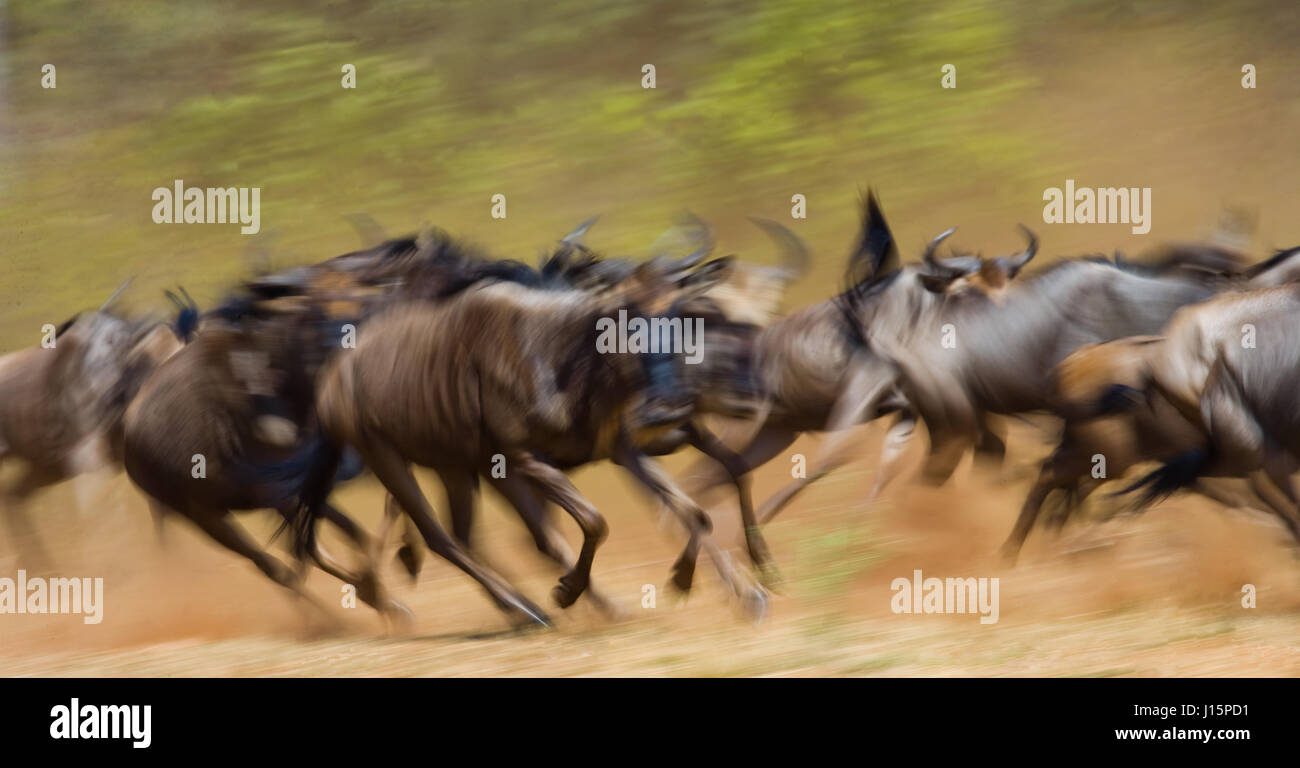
1156	595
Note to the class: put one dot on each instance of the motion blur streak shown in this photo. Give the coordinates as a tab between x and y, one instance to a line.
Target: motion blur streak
164	415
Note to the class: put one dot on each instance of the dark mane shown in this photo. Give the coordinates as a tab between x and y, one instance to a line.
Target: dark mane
1276	259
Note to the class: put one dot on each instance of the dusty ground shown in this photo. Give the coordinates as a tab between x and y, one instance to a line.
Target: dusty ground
1158	595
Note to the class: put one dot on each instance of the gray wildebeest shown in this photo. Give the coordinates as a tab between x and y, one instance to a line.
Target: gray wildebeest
503	371
1250	411
979	356
1139	399
818	371
61	405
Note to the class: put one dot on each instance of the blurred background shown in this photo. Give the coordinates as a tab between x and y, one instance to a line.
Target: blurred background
755	102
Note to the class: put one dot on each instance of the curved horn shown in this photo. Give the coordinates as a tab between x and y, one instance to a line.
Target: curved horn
928	256
427	236
703	236
187	296
258	251
961	265
1022	258
575	237
688	230
793	249
104	307
367	228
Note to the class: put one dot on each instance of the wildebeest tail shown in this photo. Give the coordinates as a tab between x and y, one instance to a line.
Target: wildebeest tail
1177	472
318	482
307	475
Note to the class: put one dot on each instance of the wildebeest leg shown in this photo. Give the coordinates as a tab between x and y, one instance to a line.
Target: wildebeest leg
1278	468
346	525
891	451
158	511
990	447
34	479
1051	476
707	473
461	489
1075	495
946	450
367	583
411	553
217	524
696	522
856	403
393	472
523	496
556	487
709	444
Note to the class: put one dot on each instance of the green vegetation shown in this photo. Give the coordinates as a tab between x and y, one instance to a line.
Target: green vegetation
459	100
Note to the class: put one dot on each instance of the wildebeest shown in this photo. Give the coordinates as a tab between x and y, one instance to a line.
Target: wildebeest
1250	413
542	396
977	357
194	428
1139	399
61	407
1003	351
817	370
721	383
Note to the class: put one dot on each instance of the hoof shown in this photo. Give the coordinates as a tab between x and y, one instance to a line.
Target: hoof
1009	553
753	603
400	619
682	579
769	576
566	593
532	617
410	561
523	613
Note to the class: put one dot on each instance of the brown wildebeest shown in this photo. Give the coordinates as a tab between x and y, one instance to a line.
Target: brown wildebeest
194	427
722	383
61	407
501	370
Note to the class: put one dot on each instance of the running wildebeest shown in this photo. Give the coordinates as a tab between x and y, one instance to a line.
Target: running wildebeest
815	368
999	357
61	407
541	394
722	383
1003	360
1250	412
194	426
1138	399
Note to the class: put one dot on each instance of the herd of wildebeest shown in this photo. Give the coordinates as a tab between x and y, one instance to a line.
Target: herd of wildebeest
425	351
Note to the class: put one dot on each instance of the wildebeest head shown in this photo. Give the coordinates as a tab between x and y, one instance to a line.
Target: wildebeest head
892	299
961	273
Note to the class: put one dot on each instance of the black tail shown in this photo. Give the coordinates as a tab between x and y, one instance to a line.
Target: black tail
308	474
1177	473
316	488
